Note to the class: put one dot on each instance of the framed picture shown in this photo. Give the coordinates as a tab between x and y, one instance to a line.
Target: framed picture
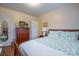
22	23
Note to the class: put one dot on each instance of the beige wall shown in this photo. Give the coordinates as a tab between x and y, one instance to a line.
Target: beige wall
39	26
17	16
66	17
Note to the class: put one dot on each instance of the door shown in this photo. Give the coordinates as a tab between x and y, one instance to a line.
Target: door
34	30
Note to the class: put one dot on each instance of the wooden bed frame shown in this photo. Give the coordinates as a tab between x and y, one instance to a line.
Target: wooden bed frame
17	50
68	30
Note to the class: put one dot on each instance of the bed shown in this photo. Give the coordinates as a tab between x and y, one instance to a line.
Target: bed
57	43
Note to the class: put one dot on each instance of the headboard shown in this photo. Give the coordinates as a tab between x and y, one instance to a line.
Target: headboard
68	30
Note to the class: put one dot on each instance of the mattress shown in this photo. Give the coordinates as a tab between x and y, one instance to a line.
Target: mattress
34	48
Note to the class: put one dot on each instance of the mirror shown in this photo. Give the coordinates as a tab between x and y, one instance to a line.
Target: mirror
4	30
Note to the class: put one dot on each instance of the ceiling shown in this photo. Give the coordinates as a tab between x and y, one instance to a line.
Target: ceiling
34	11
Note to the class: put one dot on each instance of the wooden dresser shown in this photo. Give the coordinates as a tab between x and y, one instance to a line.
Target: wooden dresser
22	35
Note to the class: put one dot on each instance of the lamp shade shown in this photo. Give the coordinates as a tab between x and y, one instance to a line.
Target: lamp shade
44	29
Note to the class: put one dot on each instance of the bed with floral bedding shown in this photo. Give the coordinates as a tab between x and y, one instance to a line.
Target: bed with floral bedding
57	43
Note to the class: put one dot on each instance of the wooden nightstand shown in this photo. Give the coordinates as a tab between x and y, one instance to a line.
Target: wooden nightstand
41	36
